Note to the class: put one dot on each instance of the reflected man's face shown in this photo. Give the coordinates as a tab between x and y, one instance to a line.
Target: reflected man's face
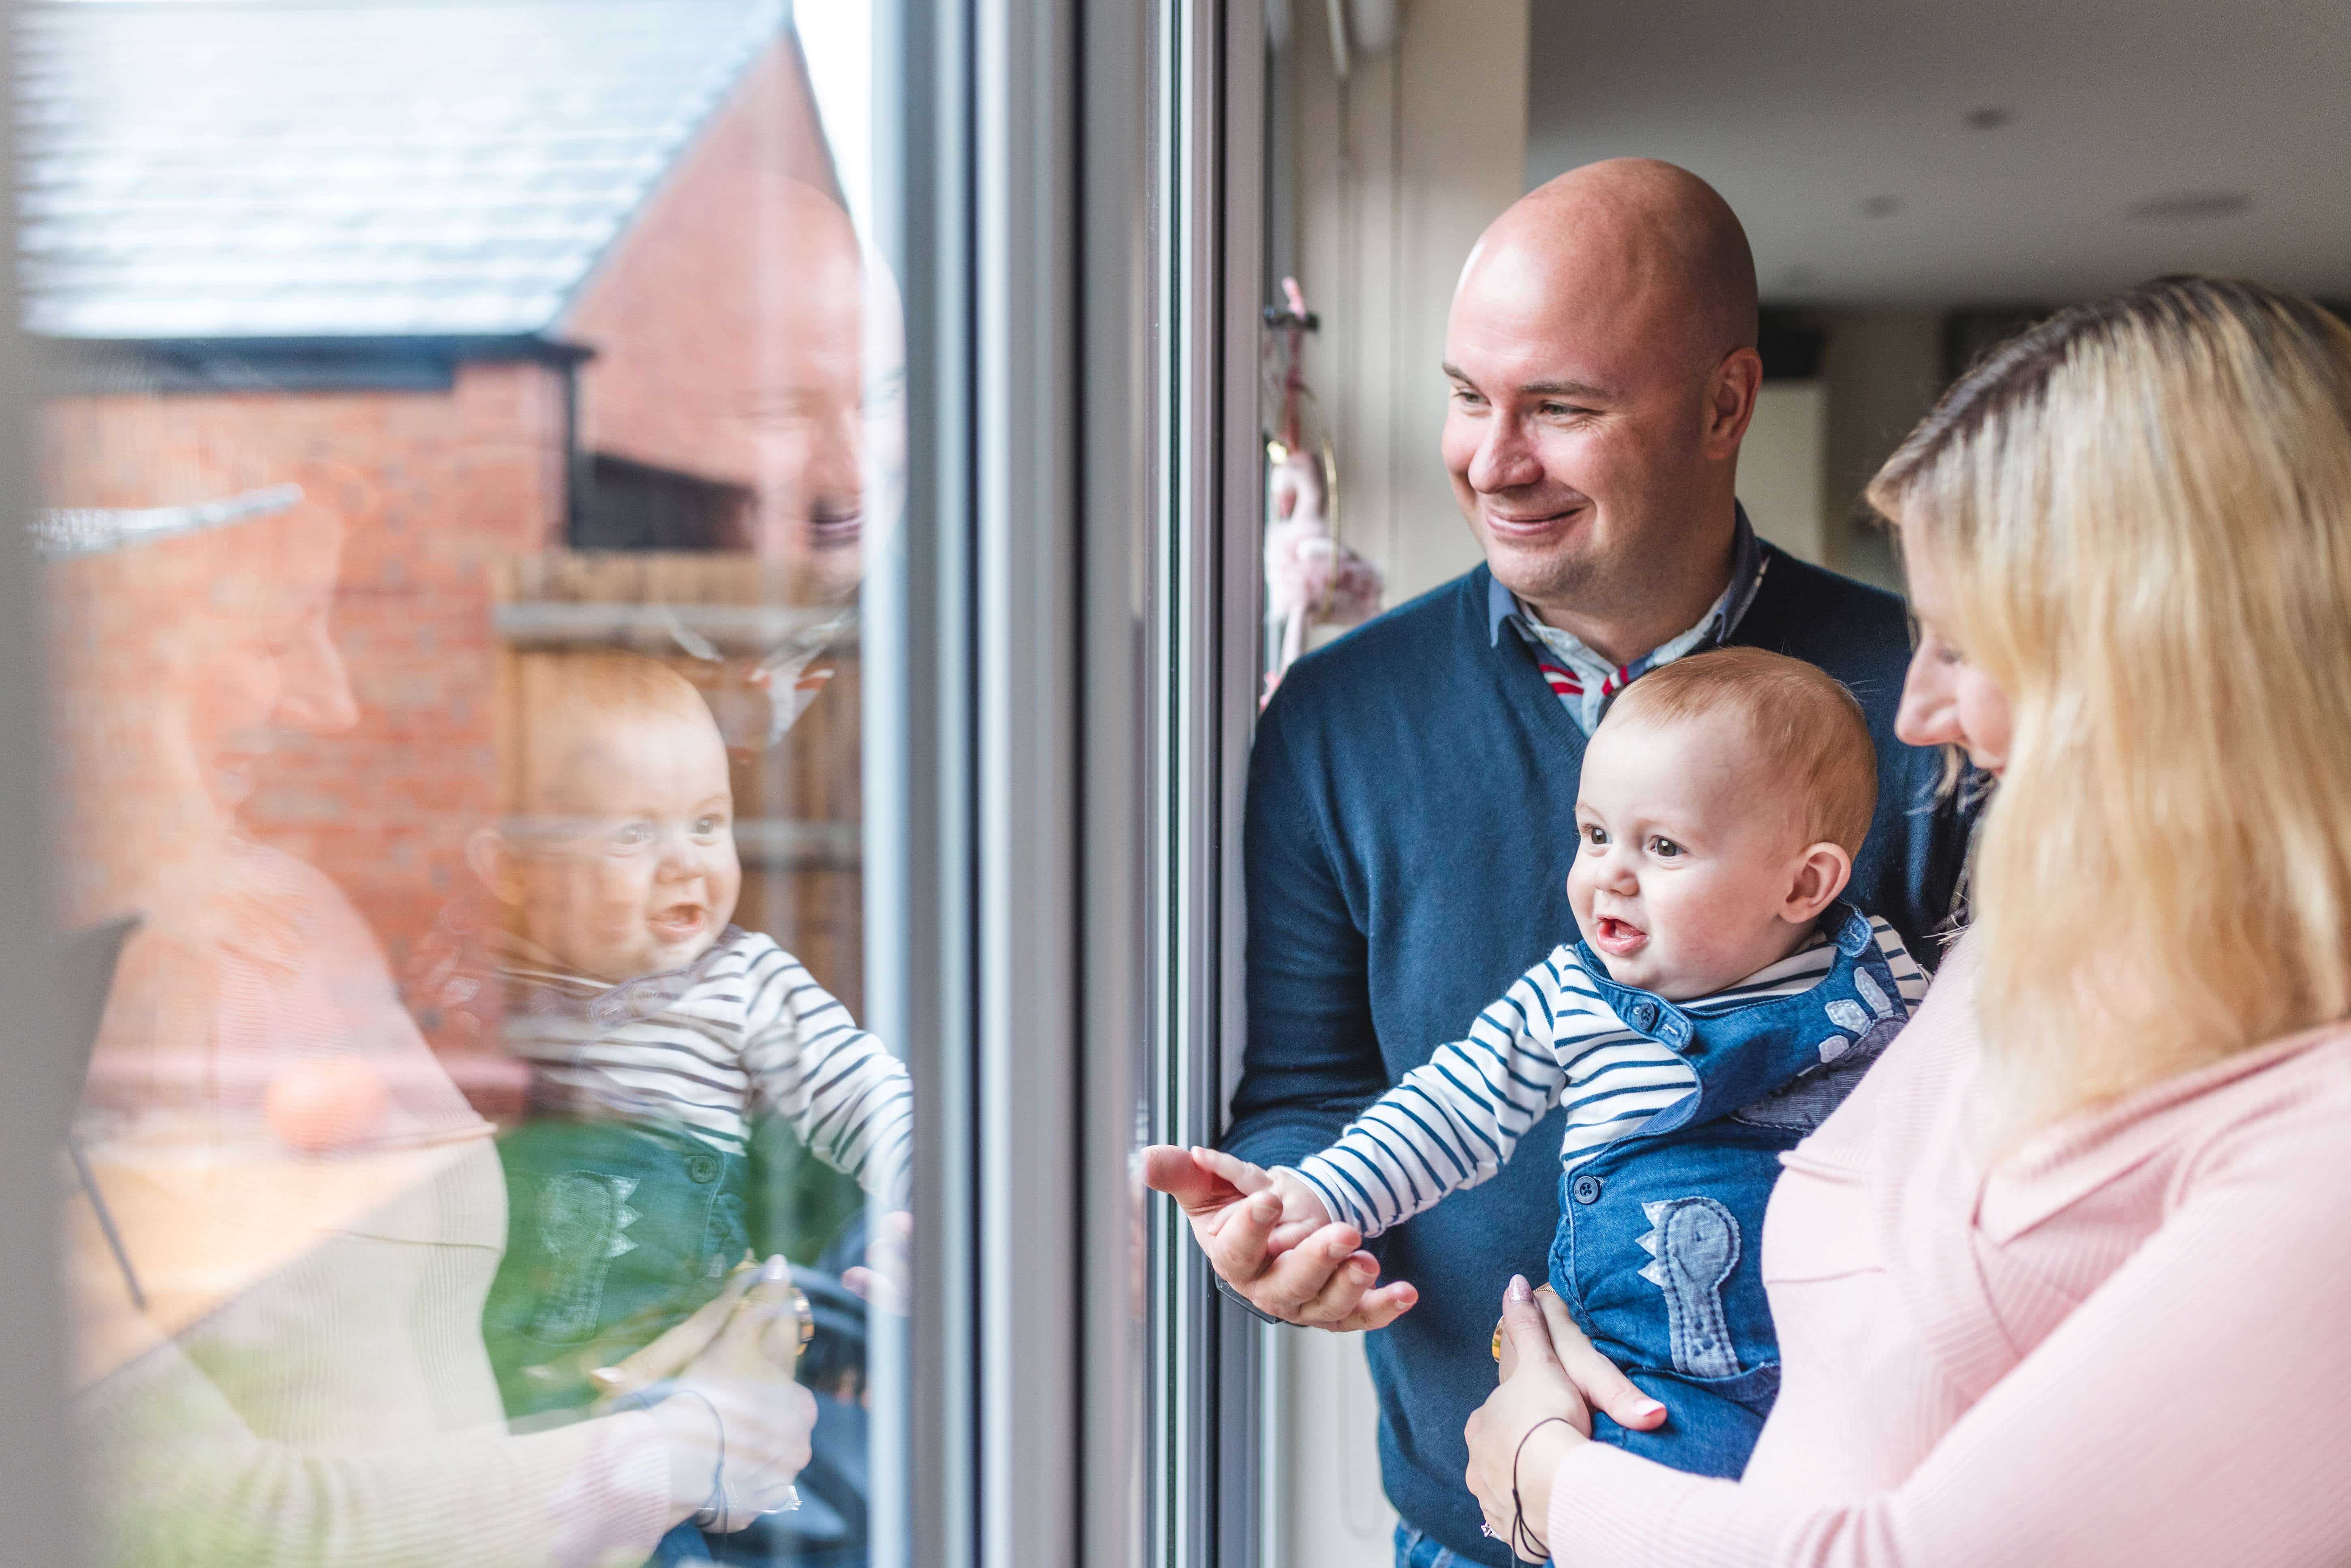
823	420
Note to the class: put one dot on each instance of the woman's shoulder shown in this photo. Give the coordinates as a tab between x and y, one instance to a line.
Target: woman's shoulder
2277	1113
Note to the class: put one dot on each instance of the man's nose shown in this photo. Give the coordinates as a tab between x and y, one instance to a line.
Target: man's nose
834	480
1505	459
316	692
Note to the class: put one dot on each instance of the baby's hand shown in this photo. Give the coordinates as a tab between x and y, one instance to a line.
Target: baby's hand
1302	1212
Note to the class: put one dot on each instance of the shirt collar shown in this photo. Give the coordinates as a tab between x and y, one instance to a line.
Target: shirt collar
1746	577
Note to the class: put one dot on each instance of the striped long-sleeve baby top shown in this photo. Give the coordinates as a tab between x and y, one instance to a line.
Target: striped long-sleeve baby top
1553	1039
742	1032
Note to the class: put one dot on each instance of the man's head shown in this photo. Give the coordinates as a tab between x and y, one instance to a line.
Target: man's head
618	853
1601	354
1722	802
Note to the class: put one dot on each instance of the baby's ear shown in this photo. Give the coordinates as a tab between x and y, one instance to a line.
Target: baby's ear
1821	873
492	860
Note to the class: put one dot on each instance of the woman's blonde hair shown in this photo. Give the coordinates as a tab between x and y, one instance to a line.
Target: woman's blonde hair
2141	510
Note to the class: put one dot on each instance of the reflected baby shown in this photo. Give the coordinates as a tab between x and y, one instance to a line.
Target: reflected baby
1722	1002
657	1032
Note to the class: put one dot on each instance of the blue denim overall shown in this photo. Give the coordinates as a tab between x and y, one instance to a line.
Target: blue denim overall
1655	1252
616	1233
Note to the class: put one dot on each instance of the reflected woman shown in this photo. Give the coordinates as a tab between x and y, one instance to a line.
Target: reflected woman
286	1366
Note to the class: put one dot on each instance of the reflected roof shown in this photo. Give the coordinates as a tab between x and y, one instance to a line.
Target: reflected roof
197	169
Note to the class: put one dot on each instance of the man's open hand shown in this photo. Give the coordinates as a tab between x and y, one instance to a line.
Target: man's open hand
1270	1238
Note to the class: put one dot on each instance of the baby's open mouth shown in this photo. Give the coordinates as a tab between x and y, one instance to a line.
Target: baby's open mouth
678	922
1617	938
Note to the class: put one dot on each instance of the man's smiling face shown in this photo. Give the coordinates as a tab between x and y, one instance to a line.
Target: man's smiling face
1576	421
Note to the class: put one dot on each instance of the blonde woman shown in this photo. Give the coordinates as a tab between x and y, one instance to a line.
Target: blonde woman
2062	1283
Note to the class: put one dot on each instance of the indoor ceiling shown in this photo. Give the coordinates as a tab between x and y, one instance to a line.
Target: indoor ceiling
1975	151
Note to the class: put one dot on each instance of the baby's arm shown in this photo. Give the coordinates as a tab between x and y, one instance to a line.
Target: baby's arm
837	1086
1451	1123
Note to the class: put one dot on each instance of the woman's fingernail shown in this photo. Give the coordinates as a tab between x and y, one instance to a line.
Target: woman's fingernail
1520	1290
775	1271
1648	1407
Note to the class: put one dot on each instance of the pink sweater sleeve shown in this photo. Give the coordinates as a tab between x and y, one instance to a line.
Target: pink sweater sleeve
2189	1412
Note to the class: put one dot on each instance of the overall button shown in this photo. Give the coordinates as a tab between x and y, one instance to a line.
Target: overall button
1585	1189
1645	1015
703	1169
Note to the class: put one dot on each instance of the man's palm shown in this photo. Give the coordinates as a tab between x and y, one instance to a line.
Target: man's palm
1284	1256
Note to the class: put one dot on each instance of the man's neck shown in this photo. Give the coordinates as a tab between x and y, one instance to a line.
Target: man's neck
1655	613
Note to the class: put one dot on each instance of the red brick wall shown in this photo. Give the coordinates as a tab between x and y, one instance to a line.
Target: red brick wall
699	314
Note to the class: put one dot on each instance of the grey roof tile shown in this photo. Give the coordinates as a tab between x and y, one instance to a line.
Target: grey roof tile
198	169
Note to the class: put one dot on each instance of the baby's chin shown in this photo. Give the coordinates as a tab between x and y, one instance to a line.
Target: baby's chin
1659	970
619	964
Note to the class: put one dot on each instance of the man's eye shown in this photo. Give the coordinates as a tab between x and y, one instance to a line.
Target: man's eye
1665	849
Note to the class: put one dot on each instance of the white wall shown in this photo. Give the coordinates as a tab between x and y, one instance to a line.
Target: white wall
1883	371
1782	468
1335	1515
1398	170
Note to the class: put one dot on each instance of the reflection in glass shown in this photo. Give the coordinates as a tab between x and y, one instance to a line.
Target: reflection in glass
472	425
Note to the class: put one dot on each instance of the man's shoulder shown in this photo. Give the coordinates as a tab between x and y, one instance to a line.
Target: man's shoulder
1859	634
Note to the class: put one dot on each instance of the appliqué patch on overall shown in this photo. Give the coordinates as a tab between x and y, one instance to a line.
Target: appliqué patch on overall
1694	1245
1806	1103
582	1216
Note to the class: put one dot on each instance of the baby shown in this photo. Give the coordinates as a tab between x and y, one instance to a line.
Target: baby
1721	1004
654	1030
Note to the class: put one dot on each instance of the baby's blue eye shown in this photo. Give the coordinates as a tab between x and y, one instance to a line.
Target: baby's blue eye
708	826
631	834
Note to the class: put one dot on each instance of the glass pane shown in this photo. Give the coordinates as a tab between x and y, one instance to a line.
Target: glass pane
471	423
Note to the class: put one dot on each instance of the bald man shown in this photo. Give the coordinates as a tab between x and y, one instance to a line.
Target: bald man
1412	792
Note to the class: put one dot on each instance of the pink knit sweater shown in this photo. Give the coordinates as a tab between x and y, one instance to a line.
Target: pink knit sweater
2127	1342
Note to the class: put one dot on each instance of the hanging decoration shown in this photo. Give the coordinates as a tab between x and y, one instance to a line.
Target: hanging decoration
1310	578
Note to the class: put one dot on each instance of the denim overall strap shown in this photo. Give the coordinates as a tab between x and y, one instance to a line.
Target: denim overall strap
1754	1051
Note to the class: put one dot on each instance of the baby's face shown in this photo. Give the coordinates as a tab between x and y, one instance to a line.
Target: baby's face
629	869
1687	856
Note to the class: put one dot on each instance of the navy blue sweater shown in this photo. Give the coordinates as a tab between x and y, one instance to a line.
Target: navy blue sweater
1411	821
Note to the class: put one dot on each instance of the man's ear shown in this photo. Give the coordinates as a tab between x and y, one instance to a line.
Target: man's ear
1730	397
492	860
1821	874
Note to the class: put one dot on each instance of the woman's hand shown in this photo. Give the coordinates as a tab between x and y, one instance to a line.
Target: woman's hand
1534	1418
739	1426
1596	1377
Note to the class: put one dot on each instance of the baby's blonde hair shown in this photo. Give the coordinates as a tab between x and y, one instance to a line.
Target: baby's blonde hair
557	697
1809	732
2142	511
